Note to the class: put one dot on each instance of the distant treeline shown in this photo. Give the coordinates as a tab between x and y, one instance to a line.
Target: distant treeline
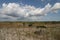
29	21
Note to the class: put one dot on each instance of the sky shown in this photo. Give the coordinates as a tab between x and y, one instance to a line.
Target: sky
29	10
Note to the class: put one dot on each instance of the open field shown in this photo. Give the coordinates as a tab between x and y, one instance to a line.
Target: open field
29	30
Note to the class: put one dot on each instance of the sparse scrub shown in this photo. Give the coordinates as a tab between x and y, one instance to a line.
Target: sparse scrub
41	27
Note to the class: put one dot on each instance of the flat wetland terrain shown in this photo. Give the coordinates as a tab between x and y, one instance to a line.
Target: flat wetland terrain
30	30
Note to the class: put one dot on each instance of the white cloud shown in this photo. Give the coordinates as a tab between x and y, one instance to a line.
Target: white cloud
55	8
16	11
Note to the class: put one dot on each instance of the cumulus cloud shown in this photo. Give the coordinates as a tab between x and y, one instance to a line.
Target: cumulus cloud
55	8
14	11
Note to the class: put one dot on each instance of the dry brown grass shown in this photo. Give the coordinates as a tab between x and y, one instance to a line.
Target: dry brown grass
31	30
